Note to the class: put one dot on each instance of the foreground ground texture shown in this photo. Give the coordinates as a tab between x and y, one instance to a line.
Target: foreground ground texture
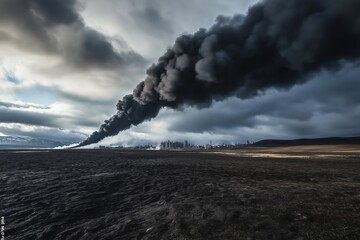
249	194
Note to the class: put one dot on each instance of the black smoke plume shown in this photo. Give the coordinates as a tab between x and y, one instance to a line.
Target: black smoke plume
276	45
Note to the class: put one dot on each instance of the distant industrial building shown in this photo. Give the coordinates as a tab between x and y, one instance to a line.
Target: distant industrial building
174	145
169	145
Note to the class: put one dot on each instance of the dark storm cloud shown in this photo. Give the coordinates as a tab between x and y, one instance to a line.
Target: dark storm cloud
276	45
45	133
237	113
149	17
328	105
18	112
224	115
18	14
37	20
56	92
82	100
26	117
58	11
19	116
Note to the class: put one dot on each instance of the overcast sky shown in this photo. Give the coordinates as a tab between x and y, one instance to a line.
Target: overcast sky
63	68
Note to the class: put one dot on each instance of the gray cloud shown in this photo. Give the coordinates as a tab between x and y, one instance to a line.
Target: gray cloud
329	105
21	105
57	11
27	117
46	119
55	27
148	16
45	133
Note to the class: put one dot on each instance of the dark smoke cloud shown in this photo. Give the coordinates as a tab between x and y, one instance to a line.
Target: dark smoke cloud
276	45
130	112
36	21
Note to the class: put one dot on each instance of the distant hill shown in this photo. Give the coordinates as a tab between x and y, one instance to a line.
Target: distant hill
309	141
21	142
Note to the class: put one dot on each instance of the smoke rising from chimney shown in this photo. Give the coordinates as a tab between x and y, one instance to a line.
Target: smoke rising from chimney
277	44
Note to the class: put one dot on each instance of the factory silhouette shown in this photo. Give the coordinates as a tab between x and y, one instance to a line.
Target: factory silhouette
181	145
170	145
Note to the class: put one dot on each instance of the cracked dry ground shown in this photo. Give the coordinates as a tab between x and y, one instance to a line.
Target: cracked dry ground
108	194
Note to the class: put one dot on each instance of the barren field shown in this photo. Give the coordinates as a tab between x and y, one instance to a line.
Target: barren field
310	192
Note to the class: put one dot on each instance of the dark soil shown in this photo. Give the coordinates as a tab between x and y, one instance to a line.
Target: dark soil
109	194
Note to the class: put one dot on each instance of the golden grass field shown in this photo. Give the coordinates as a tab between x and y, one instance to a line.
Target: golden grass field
311	151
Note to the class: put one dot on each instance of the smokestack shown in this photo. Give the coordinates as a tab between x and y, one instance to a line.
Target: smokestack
278	44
